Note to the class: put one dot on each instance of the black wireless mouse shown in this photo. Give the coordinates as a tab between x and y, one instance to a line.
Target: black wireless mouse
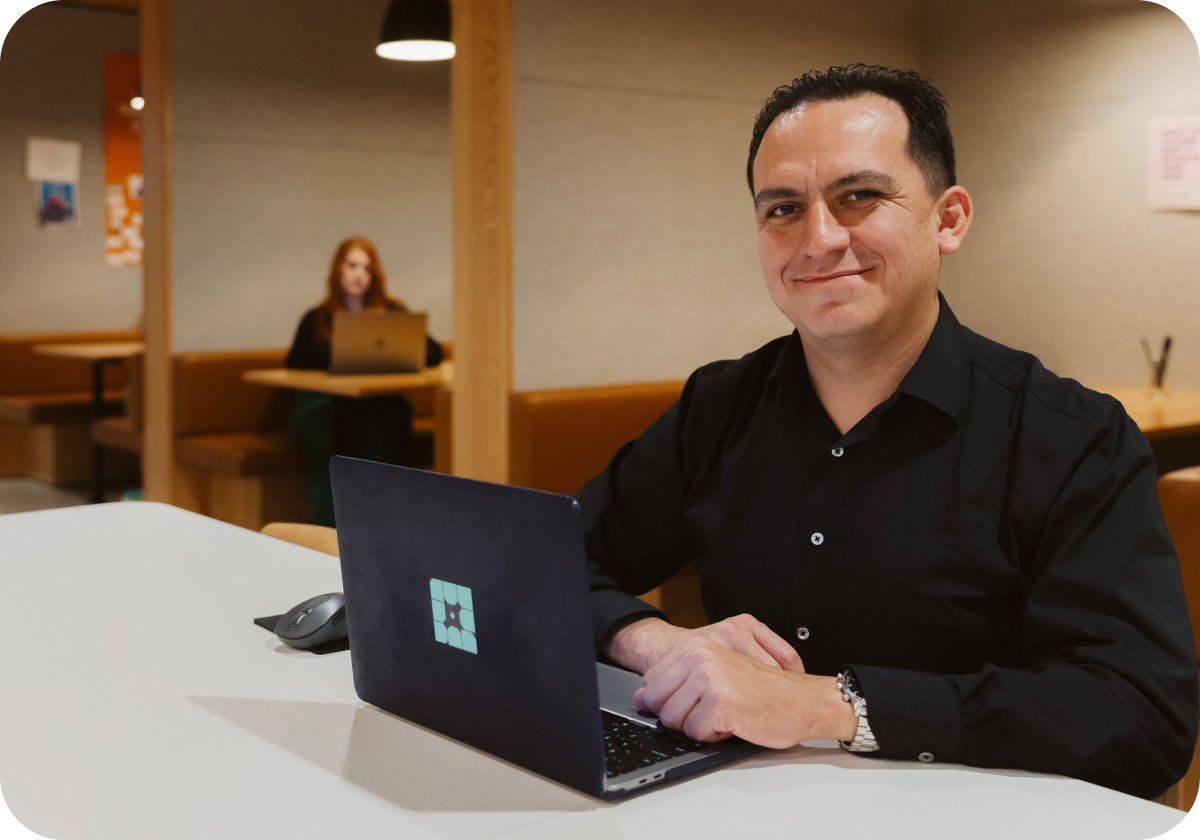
315	622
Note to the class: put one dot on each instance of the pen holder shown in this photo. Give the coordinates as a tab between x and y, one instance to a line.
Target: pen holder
1156	384
1156	391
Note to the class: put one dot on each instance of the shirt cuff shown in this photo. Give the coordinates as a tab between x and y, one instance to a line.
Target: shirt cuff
612	605
913	714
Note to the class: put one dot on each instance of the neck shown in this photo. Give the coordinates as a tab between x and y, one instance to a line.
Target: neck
353	303
851	377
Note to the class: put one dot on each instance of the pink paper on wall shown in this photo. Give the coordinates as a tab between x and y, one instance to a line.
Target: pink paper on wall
1174	163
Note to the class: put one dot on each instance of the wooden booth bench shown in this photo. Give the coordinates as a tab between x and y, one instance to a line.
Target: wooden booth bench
234	458
46	405
559	439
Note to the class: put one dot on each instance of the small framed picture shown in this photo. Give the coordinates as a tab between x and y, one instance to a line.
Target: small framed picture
57	204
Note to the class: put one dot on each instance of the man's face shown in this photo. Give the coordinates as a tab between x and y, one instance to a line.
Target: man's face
848	231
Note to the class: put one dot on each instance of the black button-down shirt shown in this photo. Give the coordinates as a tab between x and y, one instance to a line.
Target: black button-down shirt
985	549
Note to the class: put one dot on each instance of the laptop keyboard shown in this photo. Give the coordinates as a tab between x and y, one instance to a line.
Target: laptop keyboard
630	746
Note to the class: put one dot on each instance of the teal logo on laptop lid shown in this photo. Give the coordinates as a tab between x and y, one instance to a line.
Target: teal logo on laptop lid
453	615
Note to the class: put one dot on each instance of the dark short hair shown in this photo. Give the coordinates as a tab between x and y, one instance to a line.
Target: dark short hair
930	143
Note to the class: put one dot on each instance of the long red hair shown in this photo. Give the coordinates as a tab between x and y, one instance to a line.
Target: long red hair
376	296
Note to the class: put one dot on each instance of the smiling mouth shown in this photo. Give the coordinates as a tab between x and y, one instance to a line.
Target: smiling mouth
826	277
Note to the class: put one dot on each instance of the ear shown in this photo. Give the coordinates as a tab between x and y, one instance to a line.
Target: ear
954	213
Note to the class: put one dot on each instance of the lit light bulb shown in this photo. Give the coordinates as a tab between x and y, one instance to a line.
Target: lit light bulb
137	103
414	50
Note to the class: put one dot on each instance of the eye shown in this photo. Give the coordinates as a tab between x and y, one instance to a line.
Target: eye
780	210
859	196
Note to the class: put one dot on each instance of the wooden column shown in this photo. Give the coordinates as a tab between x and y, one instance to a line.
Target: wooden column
481	131
158	457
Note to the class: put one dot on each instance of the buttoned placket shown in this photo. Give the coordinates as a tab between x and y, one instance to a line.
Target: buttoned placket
817	538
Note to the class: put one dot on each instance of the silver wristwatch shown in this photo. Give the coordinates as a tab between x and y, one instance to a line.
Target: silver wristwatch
864	739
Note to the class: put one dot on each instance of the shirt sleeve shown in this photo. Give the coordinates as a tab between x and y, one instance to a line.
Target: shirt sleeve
309	350
433	352
635	535
1106	688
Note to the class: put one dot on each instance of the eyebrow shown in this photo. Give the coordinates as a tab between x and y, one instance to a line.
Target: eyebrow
862	176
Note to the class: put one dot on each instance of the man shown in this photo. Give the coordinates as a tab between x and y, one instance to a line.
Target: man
971	544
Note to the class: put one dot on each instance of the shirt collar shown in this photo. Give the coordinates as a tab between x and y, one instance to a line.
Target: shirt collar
789	365
940	376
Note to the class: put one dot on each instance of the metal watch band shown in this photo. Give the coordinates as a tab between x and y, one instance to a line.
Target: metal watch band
864	739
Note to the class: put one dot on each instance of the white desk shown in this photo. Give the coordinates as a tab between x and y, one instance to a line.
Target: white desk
138	700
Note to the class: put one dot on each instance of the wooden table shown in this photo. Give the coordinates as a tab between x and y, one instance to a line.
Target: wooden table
92	351
99	354
351	384
357	385
1175	414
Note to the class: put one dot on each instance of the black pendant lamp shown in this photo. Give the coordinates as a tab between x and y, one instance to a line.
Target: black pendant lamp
416	30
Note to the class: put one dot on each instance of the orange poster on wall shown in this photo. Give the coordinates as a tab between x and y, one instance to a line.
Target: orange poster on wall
122	160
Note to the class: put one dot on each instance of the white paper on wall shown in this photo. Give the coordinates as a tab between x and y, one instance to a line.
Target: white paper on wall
1174	163
47	159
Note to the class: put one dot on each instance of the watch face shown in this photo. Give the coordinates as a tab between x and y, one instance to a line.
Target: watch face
848	685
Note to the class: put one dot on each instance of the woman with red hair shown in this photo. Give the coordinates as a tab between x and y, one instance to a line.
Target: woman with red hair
378	428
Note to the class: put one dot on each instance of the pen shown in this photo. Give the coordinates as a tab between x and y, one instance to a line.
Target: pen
1161	372
1149	355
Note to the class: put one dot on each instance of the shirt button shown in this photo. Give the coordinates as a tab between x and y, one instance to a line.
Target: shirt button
837	452
927	757
802	633
817	538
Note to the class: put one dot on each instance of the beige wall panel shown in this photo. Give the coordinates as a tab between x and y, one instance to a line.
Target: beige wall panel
635	257
302	71
634	238
1065	260
713	48
56	278
291	134
260	223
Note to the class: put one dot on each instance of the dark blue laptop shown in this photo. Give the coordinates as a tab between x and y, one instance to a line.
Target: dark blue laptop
467	606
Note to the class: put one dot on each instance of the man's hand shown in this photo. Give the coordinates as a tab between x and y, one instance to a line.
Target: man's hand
644	642
709	691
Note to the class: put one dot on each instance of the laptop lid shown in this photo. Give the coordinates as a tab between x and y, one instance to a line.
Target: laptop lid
469	613
377	342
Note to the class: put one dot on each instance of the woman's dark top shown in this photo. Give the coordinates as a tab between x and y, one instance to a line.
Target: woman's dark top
375	428
311	349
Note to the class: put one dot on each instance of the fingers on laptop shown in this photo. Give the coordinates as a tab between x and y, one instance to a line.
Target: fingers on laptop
747	635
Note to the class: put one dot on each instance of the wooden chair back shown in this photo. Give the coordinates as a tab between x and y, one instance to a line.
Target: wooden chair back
1179	494
317	537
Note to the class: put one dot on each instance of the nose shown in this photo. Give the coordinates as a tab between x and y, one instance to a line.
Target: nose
823	233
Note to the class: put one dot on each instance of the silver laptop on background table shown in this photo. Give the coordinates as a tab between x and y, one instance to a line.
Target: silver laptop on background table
378	342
